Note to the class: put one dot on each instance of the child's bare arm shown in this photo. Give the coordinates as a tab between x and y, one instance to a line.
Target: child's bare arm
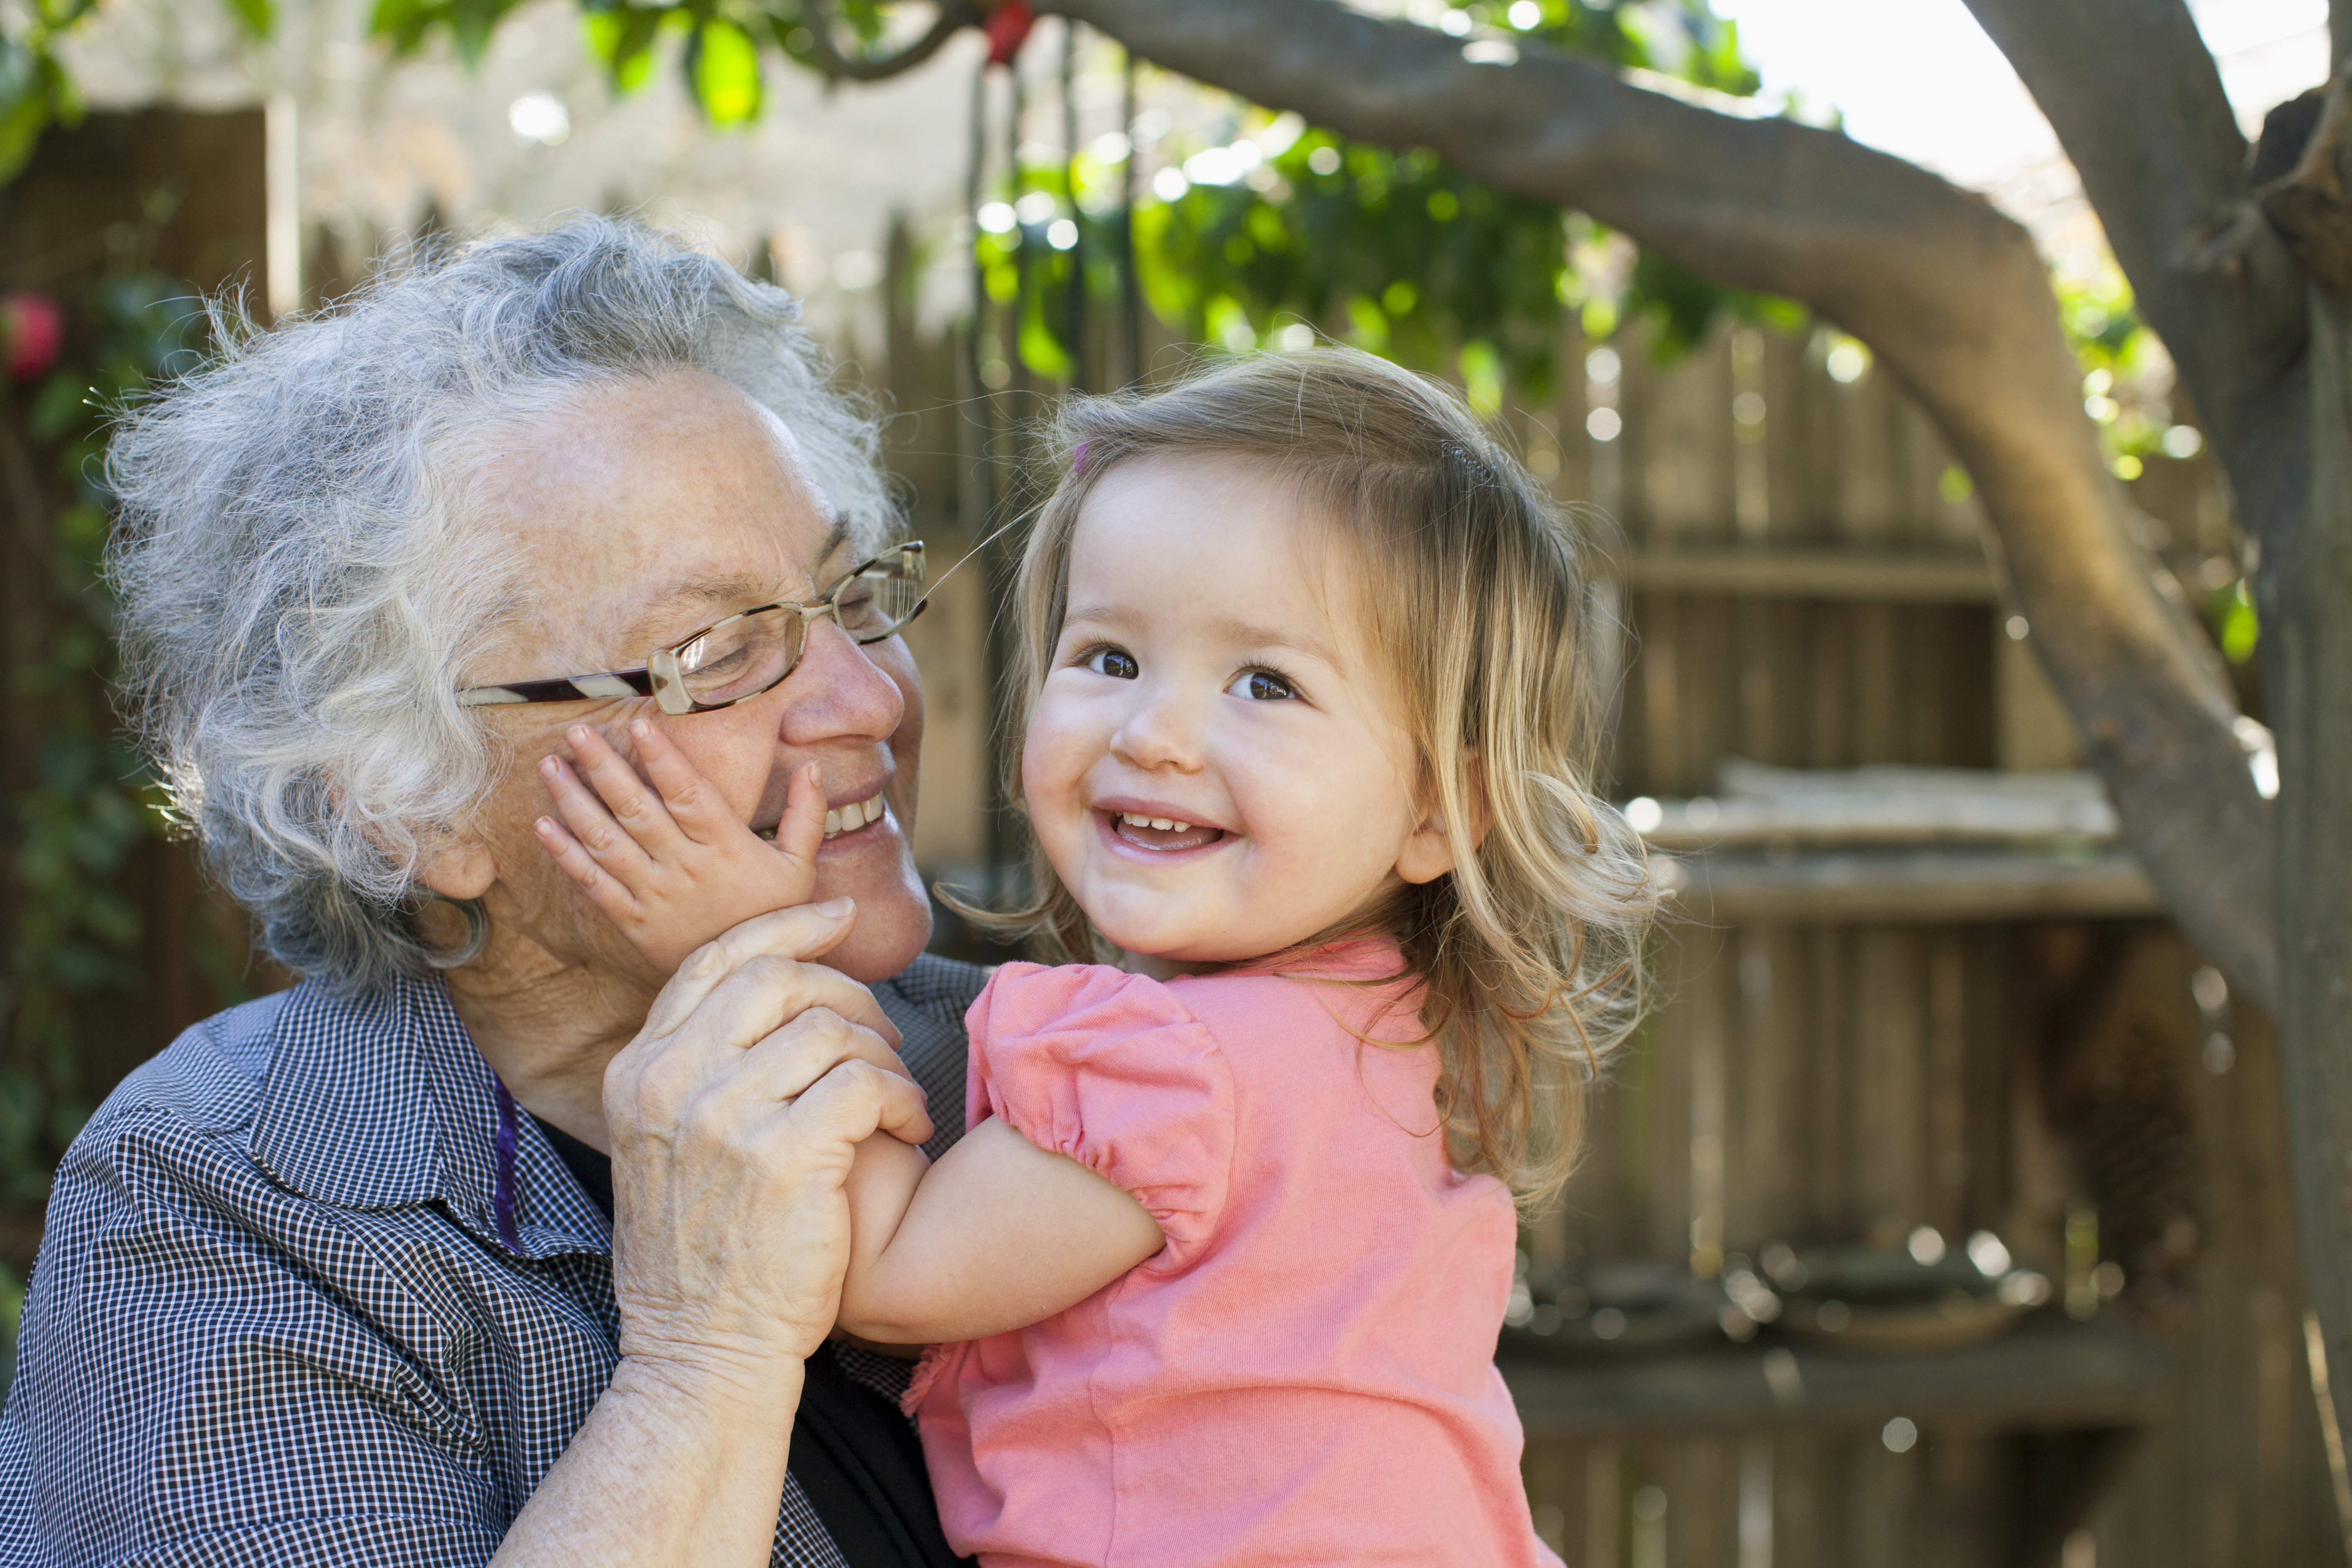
1000	1234
672	865
997	1236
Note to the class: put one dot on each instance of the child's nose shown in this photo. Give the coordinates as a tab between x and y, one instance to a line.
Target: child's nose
1159	730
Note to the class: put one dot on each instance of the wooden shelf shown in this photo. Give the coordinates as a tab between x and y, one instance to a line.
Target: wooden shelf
1818	886
1896	844
1949	577
1907	820
2047	1375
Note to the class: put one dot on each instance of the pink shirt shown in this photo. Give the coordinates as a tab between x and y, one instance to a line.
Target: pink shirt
1305	1373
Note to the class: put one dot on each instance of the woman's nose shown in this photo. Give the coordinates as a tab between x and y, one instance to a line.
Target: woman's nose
1159	729
837	693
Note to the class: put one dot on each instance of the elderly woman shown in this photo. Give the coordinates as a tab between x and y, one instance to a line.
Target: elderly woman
487	1241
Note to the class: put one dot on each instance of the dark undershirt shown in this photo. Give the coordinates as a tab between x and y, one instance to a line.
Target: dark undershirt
853	1453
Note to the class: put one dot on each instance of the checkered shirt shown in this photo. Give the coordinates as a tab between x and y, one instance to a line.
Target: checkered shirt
273	1321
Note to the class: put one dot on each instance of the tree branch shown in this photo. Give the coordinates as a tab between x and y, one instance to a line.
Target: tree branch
2158	145
1951	294
826	55
2311	204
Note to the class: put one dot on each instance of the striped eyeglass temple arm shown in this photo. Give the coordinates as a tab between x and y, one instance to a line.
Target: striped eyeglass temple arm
563	688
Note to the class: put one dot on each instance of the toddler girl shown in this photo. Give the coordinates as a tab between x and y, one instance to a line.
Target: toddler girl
1307	716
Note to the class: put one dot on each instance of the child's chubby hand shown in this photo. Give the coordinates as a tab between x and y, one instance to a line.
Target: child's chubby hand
672	865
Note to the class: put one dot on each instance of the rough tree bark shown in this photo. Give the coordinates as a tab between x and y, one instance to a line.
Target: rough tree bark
1947	292
2309	603
2309	621
2264	347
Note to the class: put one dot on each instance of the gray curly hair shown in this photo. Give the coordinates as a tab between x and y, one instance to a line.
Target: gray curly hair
299	576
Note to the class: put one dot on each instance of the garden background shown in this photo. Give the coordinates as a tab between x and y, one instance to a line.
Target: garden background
1902	1010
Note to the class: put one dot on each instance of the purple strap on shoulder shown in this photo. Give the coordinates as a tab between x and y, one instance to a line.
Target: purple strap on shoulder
502	1197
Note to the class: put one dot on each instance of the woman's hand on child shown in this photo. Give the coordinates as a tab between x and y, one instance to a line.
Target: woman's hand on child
671	865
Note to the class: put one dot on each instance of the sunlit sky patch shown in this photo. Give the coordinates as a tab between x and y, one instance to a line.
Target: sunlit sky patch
1919	79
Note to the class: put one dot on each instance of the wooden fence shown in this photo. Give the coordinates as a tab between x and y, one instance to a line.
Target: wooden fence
1802	579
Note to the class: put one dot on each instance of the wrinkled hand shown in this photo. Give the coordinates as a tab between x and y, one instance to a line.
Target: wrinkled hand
735	1114
672	865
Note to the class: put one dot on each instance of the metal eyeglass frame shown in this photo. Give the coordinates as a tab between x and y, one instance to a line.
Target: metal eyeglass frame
661	677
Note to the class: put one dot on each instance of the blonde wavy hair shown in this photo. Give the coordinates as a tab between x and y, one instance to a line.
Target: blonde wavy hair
1472	585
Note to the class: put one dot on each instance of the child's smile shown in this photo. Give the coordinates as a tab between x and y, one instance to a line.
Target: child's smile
1138	824
1213	767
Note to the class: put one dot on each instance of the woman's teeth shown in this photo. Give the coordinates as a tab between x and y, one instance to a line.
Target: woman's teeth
853	816
1165	825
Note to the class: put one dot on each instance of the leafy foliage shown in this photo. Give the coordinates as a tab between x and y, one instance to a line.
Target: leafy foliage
34	90
1398	251
2127	391
1289	230
76	929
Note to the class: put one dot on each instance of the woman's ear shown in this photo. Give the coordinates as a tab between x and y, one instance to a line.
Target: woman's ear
460	870
461	867
1429	853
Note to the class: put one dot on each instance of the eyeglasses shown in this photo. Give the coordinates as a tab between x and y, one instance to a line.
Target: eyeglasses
737	658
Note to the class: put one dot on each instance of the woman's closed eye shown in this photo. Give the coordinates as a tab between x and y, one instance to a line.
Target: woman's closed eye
1115	662
1263	685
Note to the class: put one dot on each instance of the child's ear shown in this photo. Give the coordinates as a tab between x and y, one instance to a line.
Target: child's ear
1429	853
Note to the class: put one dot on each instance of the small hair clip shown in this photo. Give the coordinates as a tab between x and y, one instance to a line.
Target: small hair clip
1470	462
1078	458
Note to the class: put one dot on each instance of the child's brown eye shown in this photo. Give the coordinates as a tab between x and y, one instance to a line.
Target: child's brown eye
1116	663
1263	685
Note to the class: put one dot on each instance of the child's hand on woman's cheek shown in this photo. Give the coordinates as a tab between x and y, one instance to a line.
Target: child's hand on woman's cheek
674	868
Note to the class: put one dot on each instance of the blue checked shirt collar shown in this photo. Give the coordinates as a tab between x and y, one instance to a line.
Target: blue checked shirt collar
383	1102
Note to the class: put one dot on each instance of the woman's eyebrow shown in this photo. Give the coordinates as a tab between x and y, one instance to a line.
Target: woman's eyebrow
739	588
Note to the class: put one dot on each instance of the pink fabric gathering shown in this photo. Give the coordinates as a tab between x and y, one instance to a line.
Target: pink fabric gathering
1304	1373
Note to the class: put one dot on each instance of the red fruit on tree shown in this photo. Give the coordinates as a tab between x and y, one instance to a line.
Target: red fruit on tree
1008	28
32	331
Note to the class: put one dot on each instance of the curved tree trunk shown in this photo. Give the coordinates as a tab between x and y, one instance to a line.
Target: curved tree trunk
2268	358
1948	294
2311	631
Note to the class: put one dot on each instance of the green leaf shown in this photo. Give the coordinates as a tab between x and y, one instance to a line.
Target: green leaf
1482	378
258	15
410	24
2239	628
62	402
622	38
404	22
723	64
35	94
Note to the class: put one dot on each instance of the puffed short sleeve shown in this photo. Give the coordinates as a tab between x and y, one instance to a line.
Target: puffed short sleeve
1111	1069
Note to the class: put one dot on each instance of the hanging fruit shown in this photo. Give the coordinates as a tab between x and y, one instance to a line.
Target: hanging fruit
32	331
1008	28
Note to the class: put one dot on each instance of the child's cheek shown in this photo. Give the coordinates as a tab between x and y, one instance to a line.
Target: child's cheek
1053	763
